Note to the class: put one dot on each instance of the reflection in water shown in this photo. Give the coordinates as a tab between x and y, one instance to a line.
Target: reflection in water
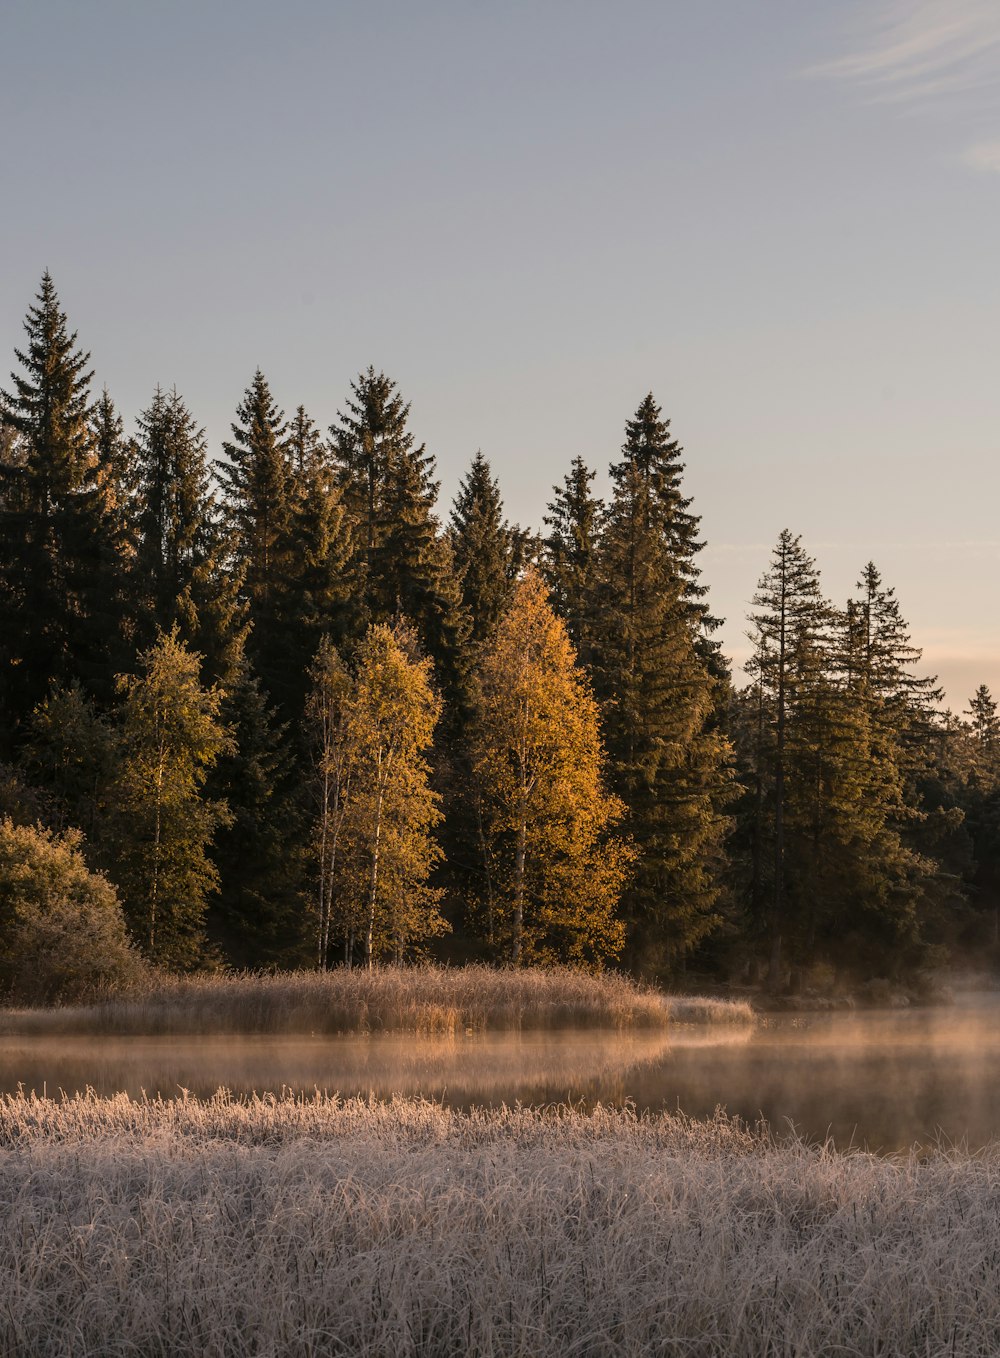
886	1080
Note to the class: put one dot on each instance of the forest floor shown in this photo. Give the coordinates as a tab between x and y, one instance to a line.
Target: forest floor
421	999
321	1226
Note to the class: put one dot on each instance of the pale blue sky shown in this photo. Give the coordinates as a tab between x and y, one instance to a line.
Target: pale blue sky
779	215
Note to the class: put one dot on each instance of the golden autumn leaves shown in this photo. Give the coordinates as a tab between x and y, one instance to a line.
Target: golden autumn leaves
553	872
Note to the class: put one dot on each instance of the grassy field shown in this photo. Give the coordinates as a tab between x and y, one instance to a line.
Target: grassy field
425	999
313	1227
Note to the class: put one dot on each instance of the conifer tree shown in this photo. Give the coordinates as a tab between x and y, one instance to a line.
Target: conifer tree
173	735
258	497
181	571
788	631
258	851
74	751
404	563
304	444
554	870
668	761
317	594
569	561
55	623
488	552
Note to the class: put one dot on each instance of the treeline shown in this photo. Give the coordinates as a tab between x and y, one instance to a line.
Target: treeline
294	718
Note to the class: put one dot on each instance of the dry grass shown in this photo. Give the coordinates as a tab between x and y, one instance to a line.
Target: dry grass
313	1227
424	999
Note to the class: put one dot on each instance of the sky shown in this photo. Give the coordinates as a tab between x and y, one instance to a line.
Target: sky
779	216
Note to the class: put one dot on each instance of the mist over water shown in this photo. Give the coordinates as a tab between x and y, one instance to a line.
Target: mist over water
885	1080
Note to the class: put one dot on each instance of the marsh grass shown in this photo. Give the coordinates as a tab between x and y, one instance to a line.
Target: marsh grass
423	999
319	1226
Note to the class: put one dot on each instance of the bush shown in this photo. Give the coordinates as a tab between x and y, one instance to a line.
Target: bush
62	932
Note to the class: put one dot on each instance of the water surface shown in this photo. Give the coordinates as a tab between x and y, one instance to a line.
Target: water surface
887	1080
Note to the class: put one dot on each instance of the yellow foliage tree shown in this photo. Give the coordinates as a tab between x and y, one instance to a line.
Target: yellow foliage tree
554	873
377	810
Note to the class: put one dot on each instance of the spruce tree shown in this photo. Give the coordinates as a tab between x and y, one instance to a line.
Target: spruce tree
182	575
569	560
259	852
56	569
788	625
488	552
404	564
317	594
257	499
304	443
667	761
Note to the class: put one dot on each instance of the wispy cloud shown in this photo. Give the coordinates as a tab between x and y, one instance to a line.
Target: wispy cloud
943	54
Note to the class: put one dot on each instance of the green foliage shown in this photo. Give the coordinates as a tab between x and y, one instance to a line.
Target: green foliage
173	735
488	552
668	761
569	562
259	848
404	564
183	578
62	933
57	565
74	751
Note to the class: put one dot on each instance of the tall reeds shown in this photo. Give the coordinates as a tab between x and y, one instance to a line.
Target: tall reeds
424	999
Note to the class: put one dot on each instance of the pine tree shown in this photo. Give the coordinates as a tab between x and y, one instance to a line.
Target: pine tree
74	751
304	444
317	594
650	451
555	872
258	501
984	723
55	623
488	552
173	735
569	562
404	563
668	761
182	576
789	625
259	851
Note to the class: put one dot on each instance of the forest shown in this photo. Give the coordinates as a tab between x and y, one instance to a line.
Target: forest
275	709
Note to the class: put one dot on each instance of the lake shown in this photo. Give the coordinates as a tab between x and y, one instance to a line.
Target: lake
882	1079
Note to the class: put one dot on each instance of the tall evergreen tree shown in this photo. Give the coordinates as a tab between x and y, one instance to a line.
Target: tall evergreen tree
181	569
488	551
667	762
55	622
304	443
404	563
258	499
569	562
788	625
259	850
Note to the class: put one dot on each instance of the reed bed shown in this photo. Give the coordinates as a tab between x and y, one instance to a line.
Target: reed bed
423	999
307	1227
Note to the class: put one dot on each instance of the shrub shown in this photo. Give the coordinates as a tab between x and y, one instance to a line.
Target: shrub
62	932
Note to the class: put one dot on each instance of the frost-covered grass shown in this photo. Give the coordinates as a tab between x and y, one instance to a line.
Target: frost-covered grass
272	1227
427	999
